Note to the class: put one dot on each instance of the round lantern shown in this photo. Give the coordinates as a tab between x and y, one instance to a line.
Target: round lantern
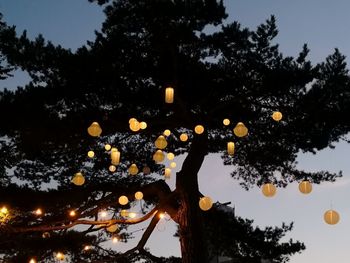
183	137
277	116
94	129
134	125
133	170
170	156
167	132
108	147
173	165
169	95
158	156
123	200
138	195
78	179
167	173
124	213
115	156
205	203
146	170
268	190
226	122
112	228
331	217
230	148
305	187
161	142
112	168
199	129
91	154
240	130
143	125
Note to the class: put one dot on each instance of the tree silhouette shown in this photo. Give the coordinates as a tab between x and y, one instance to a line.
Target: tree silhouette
144	47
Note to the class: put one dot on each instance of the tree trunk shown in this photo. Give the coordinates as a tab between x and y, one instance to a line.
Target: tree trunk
189	217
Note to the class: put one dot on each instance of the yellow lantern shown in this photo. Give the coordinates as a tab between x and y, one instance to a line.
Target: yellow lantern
183	137
240	130
205	203
91	154
167	173
94	129
115	156
199	129
277	116
78	179
138	195
170	156
123	200
143	125
268	190
146	170
133	170
112	228
60	256
331	217
173	165
108	147
167	132
158	156
230	148
134	125
124	213
226	122
4	210
112	168
169	95
305	187
161	142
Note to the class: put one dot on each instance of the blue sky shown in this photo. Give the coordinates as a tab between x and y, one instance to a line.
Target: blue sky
322	24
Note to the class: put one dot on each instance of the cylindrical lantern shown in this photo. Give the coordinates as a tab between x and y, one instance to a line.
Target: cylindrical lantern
167	132
268	189
305	187
78	179
138	195
108	147
199	129
277	116
161	142
133	170
134	125
226	122
167	173
146	170
173	165
94	129
240	130
123	200
230	148
124	213
170	156
205	203
331	217
115	156
169	95
112	168
112	228
158	157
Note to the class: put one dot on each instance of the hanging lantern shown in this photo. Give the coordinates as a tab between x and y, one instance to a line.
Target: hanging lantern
205	203
183	137
158	157
91	154
123	200
124	213
138	195
112	168
240	130
112	228
277	116
169	95
146	170
161	142
108	147
173	165
305	187
167	132
226	122
94	129
230	148
143	125
199	129
78	179
170	156
331	217
268	190
133	170
134	125
115	156
167	173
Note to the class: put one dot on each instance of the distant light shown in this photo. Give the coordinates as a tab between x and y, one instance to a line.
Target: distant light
32	260
115	240
132	214
38	212
60	256
170	156
4	210
161	215
103	213
173	164
72	213
86	248
226	122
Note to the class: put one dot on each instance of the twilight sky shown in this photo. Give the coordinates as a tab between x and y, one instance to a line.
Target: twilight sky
324	25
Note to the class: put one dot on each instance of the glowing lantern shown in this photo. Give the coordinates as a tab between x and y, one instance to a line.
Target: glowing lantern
91	154
94	129
169	95
132	120
115	240
115	156
240	130
269	190
143	125
305	187
170	156
112	228
167	173
132	214
87	247
138	195
226	122
230	148
277	116
146	170
4	210
32	260
108	147
38	212
158	156
199	129
60	256
124	213
173	165
331	217
78	179
183	137
161	142
205	203
112	168
72	213
133	170
134	125
167	132
103	214
123	200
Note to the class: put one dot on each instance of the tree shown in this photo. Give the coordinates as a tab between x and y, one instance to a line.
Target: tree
143	47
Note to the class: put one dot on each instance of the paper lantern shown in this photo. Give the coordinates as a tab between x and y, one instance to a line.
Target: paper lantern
146	170
108	147
124	213
143	125
158	156
94	129
240	130
161	142
138	195
112	228
199	129
91	154
103	213
167	173
60	256
277	116
112	168
133	170
169	95
230	148
134	125
268	190
78	179
205	203
170	156
172	165
226	122
123	200
331	217
4	210
87	248
183	137
305	187
115	156
167	132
